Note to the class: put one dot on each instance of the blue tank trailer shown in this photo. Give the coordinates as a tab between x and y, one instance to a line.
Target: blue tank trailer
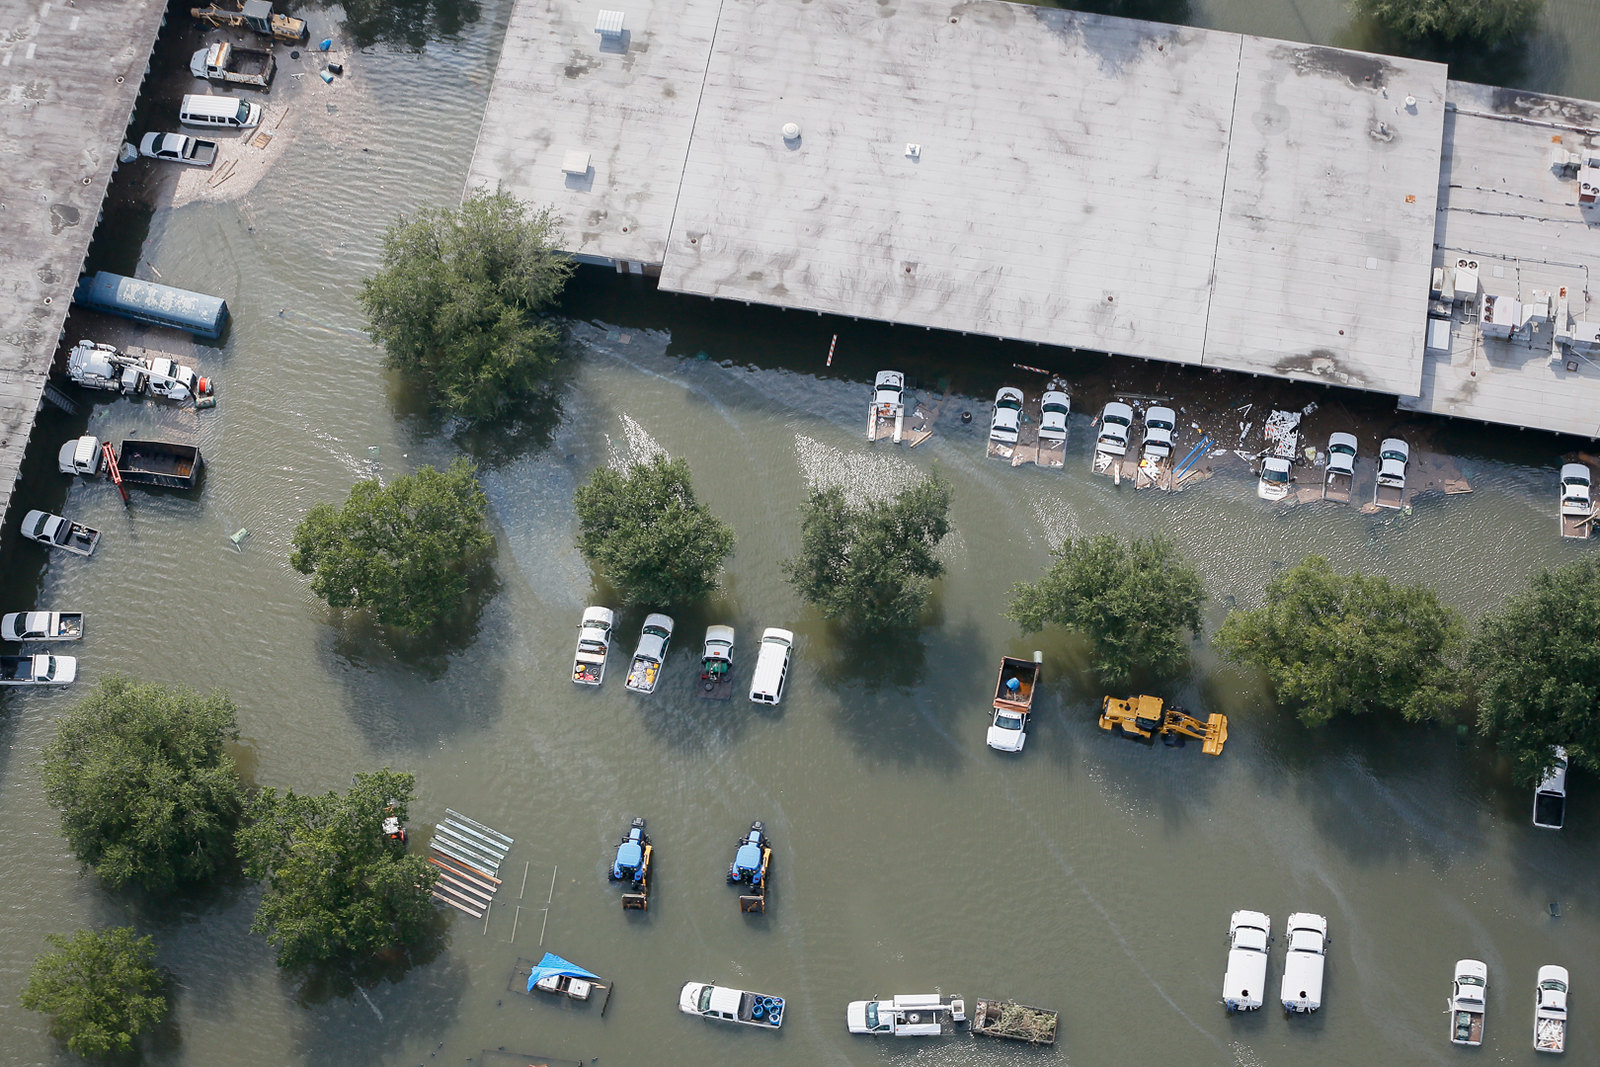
632	865
751	869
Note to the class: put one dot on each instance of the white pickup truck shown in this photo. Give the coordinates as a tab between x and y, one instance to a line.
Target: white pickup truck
1550	1010
1341	467
42	626
57	532
178	148
39	669
1468	1001
1393	455
1245	983
645	670
906	1015
594	645
1303	965
727	1004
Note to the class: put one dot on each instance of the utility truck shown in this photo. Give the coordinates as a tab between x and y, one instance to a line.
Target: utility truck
1303	964
98	366
1244	985
906	1015
224	62
1013	702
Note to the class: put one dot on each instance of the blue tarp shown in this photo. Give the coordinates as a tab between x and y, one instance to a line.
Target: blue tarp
554	965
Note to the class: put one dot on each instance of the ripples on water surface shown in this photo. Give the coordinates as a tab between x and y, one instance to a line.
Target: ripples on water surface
1090	875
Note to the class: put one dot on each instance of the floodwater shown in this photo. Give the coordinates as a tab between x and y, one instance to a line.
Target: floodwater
1089	874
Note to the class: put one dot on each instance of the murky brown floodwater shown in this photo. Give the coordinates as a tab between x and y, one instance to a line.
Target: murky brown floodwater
1091	875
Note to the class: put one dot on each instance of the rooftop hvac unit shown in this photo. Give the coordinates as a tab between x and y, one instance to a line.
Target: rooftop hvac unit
1466	282
1564	163
1498	315
1588	184
609	26
1585	337
1538	309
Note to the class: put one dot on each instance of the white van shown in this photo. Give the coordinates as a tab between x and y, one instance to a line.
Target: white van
229	111
772	666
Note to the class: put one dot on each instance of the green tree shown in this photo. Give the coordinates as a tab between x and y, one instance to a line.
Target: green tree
872	565
1488	22
408	552
458	299
100	988
1537	666
1343	644
644	532
148	796
336	887
1132	599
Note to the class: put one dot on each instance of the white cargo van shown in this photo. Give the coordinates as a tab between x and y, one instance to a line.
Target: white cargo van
772	666
228	111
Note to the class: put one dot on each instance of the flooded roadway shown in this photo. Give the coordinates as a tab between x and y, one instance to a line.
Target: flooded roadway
1090	875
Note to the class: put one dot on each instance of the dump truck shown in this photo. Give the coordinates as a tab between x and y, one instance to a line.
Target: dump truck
256	15
231	63
1146	717
162	463
1013	701
1018	1022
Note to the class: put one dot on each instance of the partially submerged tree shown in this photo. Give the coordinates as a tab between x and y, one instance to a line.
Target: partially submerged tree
409	552
1134	600
100	988
1537	664
459	298
336	886
148	795
871	565
1344	644
1487	22
643	530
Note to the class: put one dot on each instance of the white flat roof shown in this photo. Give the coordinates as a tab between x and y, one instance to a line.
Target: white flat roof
1504	206
629	102
1086	181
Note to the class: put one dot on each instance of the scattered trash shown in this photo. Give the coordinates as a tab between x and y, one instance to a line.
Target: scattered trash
1196	426
338	68
327	43
1244	409
238	536
1282	433
1311	454
1244	430
1034	370
325	76
128	154
1309	408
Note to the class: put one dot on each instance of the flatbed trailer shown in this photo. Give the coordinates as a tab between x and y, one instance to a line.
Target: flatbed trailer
163	463
1016	1022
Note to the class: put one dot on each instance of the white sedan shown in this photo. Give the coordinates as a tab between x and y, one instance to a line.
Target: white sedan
1007	418
1054	407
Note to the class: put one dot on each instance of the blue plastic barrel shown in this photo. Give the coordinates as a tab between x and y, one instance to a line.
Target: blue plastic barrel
758	1010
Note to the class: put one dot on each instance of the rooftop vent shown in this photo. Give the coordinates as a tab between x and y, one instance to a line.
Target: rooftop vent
791	131
575	162
609	26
